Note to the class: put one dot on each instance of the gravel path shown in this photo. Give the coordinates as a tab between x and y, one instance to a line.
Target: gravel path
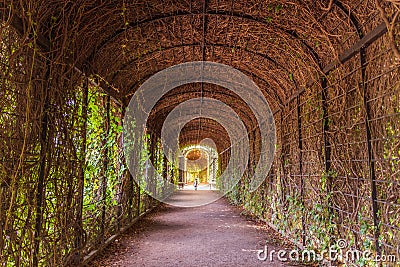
211	235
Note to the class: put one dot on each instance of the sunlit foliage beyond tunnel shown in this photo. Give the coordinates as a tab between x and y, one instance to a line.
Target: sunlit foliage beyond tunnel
329	71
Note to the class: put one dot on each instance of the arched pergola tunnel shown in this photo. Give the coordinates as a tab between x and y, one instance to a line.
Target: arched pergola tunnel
328	69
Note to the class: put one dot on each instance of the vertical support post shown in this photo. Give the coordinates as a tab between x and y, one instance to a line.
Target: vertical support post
105	166
122	178
208	168
181	169
129	177
300	146
138	198
79	240
371	162
185	171
165	168
325	129
214	172
172	171
327	146
164	174
282	161
40	190
153	162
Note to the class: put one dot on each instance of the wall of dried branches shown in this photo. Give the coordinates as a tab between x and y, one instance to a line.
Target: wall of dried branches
64	187
336	171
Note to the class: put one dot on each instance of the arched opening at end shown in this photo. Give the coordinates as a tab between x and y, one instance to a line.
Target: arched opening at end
200	165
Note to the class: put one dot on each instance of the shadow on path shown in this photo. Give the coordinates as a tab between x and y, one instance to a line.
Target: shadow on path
211	235
192	198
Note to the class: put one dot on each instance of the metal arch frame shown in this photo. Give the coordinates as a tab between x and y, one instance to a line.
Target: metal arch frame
366	40
379	31
192	134
280	101
214	126
247	73
209	128
275	94
153	19
186	151
163	49
350	15
325	70
199	147
17	23
292	34
265	90
233	106
249	123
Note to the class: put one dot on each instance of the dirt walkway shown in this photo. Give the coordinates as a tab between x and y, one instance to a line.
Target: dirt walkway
212	235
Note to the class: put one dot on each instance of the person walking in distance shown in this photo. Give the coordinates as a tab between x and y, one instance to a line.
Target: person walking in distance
195	184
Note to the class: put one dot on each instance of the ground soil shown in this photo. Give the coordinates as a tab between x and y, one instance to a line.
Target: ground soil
216	234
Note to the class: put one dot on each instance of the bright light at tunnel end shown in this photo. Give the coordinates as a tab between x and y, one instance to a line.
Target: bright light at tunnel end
153	89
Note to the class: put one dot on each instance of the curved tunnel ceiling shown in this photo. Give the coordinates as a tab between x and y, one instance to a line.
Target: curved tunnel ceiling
192	134
183	93
281	45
